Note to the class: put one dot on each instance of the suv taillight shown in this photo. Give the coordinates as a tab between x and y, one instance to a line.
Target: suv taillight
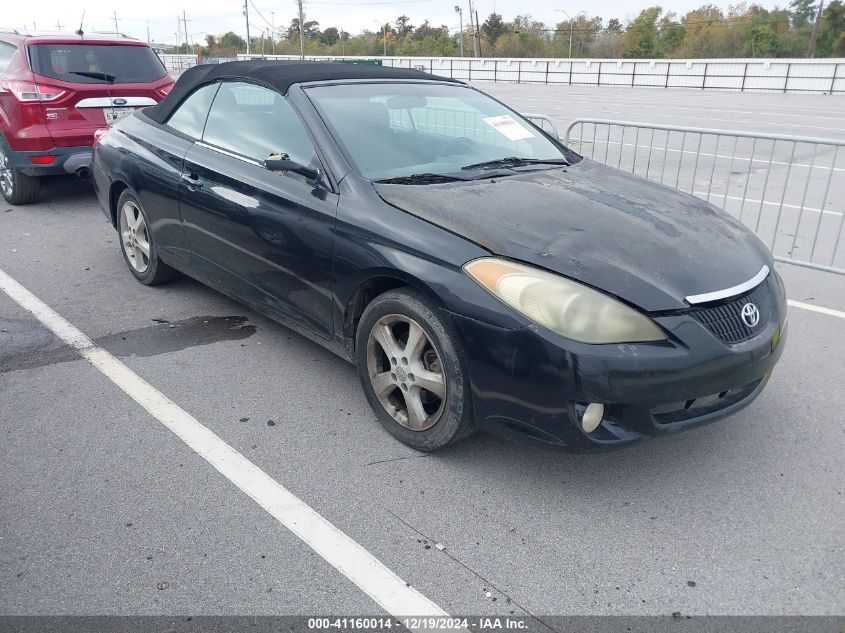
25	91
165	90
100	133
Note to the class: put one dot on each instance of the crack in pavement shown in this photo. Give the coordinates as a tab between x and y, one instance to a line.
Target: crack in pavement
472	571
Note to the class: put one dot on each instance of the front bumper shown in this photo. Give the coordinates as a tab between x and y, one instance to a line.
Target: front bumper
534	384
68	160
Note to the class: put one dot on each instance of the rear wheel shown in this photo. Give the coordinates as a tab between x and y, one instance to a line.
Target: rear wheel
412	370
16	187
137	244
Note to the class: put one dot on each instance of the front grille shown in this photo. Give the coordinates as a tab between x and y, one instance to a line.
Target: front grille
725	319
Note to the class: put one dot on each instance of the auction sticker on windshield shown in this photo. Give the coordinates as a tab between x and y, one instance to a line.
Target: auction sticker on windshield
508	127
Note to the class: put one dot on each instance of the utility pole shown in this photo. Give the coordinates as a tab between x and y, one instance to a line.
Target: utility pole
178	33
385	40
811	50
58	25
301	33
478	34
148	31
475	48
273	31
187	42
460	12
246	13
116	30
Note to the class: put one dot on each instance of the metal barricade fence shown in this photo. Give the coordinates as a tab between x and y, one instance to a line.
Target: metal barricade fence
543	122
789	189
179	63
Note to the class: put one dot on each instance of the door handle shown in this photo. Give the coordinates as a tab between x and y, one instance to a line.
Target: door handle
192	181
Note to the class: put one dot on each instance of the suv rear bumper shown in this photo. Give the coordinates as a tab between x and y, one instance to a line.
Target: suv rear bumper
68	160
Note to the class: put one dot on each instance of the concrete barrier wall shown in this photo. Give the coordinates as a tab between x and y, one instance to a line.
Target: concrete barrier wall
823	76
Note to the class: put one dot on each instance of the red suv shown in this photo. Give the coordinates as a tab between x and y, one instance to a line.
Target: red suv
55	91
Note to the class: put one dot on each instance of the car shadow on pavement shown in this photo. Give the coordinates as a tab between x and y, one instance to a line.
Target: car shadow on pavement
61	190
671	458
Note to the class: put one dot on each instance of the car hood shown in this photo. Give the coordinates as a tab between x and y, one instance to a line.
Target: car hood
648	244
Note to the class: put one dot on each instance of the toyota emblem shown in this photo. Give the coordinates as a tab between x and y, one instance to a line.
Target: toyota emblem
750	314
119	101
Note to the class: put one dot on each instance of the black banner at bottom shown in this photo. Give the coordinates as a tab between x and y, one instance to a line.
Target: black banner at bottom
676	623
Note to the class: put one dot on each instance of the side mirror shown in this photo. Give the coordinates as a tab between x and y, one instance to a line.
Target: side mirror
285	164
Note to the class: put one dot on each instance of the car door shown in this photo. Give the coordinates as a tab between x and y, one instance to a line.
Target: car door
157	169
265	237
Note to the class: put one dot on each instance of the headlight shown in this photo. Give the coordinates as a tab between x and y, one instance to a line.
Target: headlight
564	306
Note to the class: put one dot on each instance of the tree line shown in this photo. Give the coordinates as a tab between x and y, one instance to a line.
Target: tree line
707	32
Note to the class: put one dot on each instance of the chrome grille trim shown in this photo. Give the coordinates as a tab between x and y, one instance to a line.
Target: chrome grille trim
730	292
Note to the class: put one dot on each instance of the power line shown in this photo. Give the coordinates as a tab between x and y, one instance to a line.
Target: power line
266	21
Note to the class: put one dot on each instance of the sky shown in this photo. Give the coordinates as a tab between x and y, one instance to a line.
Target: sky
354	16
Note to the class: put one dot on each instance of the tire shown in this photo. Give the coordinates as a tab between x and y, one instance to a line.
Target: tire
138	244
16	187
408	374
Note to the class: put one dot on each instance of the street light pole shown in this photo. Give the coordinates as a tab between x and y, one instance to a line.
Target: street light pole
571	26
460	12
384	31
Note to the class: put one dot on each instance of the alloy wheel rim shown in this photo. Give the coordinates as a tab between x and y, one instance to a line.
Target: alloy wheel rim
406	372
6	183
134	236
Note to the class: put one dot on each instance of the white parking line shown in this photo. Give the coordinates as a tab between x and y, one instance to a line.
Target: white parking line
628	105
772	203
344	554
626	111
814	308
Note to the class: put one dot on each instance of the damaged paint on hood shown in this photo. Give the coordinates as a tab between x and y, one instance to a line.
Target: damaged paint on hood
645	243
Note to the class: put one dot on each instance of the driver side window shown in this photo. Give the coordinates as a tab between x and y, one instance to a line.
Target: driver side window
256	122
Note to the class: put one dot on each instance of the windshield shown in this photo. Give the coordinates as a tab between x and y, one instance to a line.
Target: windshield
93	63
396	130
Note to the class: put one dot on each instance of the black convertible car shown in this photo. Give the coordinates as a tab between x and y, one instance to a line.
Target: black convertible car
477	272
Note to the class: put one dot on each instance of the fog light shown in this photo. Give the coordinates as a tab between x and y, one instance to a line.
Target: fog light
592	417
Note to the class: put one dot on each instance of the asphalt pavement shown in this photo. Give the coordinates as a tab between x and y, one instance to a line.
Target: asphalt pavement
105	510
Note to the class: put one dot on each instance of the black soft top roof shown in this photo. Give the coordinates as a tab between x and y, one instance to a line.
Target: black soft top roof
279	75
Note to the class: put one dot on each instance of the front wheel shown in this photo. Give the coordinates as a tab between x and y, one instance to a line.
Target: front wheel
412	370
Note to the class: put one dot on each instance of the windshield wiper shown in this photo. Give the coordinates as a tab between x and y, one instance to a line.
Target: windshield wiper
515	161
421	179
92	75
